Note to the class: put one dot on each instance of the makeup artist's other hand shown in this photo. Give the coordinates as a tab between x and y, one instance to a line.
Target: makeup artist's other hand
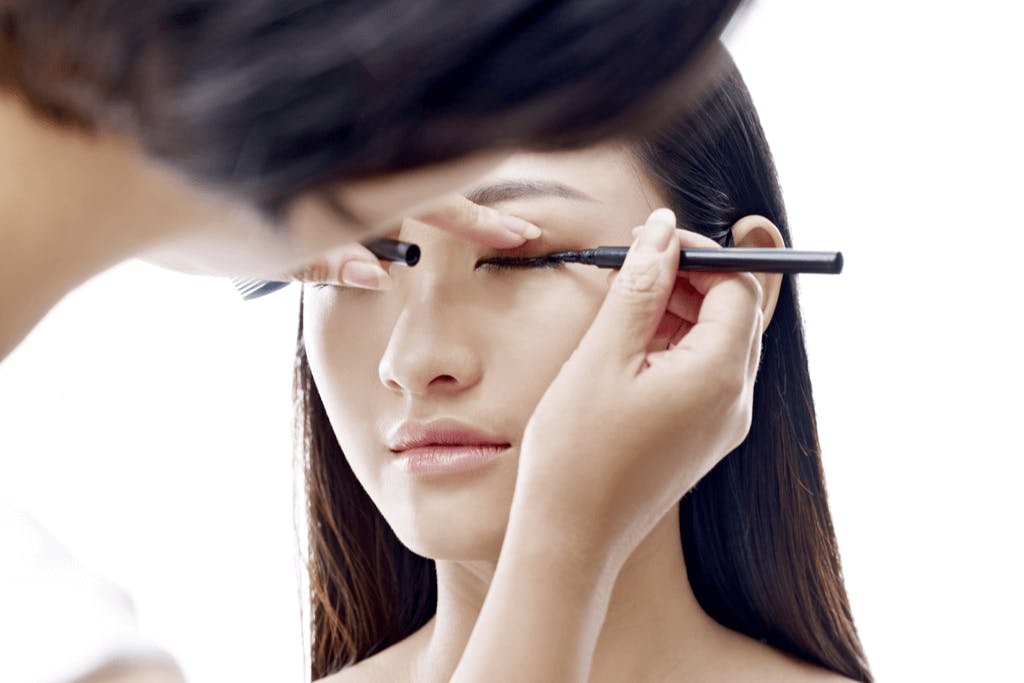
354	265
657	392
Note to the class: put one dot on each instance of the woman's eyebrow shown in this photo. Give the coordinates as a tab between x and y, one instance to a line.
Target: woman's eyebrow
505	190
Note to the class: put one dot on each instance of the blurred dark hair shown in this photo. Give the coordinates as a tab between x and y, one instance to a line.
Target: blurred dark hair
756	532
268	98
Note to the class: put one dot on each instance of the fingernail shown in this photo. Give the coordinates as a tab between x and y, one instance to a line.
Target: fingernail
365	275
659	230
520	227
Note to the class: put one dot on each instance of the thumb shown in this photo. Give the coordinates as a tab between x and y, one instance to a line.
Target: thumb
639	293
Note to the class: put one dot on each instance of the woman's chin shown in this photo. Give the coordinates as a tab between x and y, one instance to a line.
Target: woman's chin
461	517
460	536
455	546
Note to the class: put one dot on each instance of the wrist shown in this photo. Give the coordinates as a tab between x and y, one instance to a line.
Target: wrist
553	531
544	610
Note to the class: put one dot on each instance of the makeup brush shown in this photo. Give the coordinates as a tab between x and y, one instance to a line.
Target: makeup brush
405	253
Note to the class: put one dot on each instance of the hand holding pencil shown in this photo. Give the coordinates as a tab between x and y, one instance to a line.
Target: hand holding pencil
731	259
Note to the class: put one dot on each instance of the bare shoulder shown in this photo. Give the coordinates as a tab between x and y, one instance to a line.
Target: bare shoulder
792	670
387	666
383	667
365	671
752	660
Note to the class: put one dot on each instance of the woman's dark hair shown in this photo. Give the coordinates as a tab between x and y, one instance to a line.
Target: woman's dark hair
756	532
268	98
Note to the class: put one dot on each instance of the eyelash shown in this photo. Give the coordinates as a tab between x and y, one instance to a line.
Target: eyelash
500	263
519	263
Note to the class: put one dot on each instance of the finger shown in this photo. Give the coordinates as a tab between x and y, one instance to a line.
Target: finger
688	238
721	318
729	302
683	329
667	329
702	280
351	265
636	300
685	301
479	223
728	326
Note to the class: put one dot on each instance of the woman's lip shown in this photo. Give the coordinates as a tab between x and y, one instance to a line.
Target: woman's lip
441	433
449	458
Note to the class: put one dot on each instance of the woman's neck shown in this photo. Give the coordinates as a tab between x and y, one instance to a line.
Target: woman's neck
653	625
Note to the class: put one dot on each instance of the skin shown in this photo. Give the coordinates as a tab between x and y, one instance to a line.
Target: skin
157	672
73	205
490	349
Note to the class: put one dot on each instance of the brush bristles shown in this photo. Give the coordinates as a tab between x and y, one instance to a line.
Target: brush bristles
254	289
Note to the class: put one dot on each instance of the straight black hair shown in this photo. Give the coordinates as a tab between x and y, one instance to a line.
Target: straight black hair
757	534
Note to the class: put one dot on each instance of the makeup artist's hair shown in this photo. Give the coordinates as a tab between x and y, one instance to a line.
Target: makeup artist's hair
756	532
268	98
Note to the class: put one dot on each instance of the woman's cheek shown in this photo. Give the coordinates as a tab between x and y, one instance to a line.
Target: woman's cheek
539	324
571	300
343	343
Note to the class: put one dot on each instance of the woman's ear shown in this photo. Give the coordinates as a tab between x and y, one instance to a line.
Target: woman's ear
759	232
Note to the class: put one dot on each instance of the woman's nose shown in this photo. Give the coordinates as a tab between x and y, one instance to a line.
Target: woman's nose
430	353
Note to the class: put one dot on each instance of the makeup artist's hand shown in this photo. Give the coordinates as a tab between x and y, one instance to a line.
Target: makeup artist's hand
659	390
354	265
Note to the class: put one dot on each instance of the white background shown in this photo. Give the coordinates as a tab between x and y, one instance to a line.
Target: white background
147	420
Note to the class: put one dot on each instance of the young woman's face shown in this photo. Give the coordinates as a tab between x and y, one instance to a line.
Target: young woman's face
474	344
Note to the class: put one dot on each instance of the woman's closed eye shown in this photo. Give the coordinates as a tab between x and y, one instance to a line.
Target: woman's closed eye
520	262
499	263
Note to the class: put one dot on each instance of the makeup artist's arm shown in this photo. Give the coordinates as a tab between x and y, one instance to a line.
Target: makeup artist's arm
73	204
657	392
50	183
545	606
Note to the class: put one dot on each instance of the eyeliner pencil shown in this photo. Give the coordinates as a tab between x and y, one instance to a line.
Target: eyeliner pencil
732	259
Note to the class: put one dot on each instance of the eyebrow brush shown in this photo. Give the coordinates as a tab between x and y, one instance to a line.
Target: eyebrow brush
405	253
754	260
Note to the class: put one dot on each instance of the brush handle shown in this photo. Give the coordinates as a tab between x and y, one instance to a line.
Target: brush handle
733	259
388	249
384	248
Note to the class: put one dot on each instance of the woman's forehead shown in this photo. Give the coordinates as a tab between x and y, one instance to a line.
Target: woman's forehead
604	180
595	172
